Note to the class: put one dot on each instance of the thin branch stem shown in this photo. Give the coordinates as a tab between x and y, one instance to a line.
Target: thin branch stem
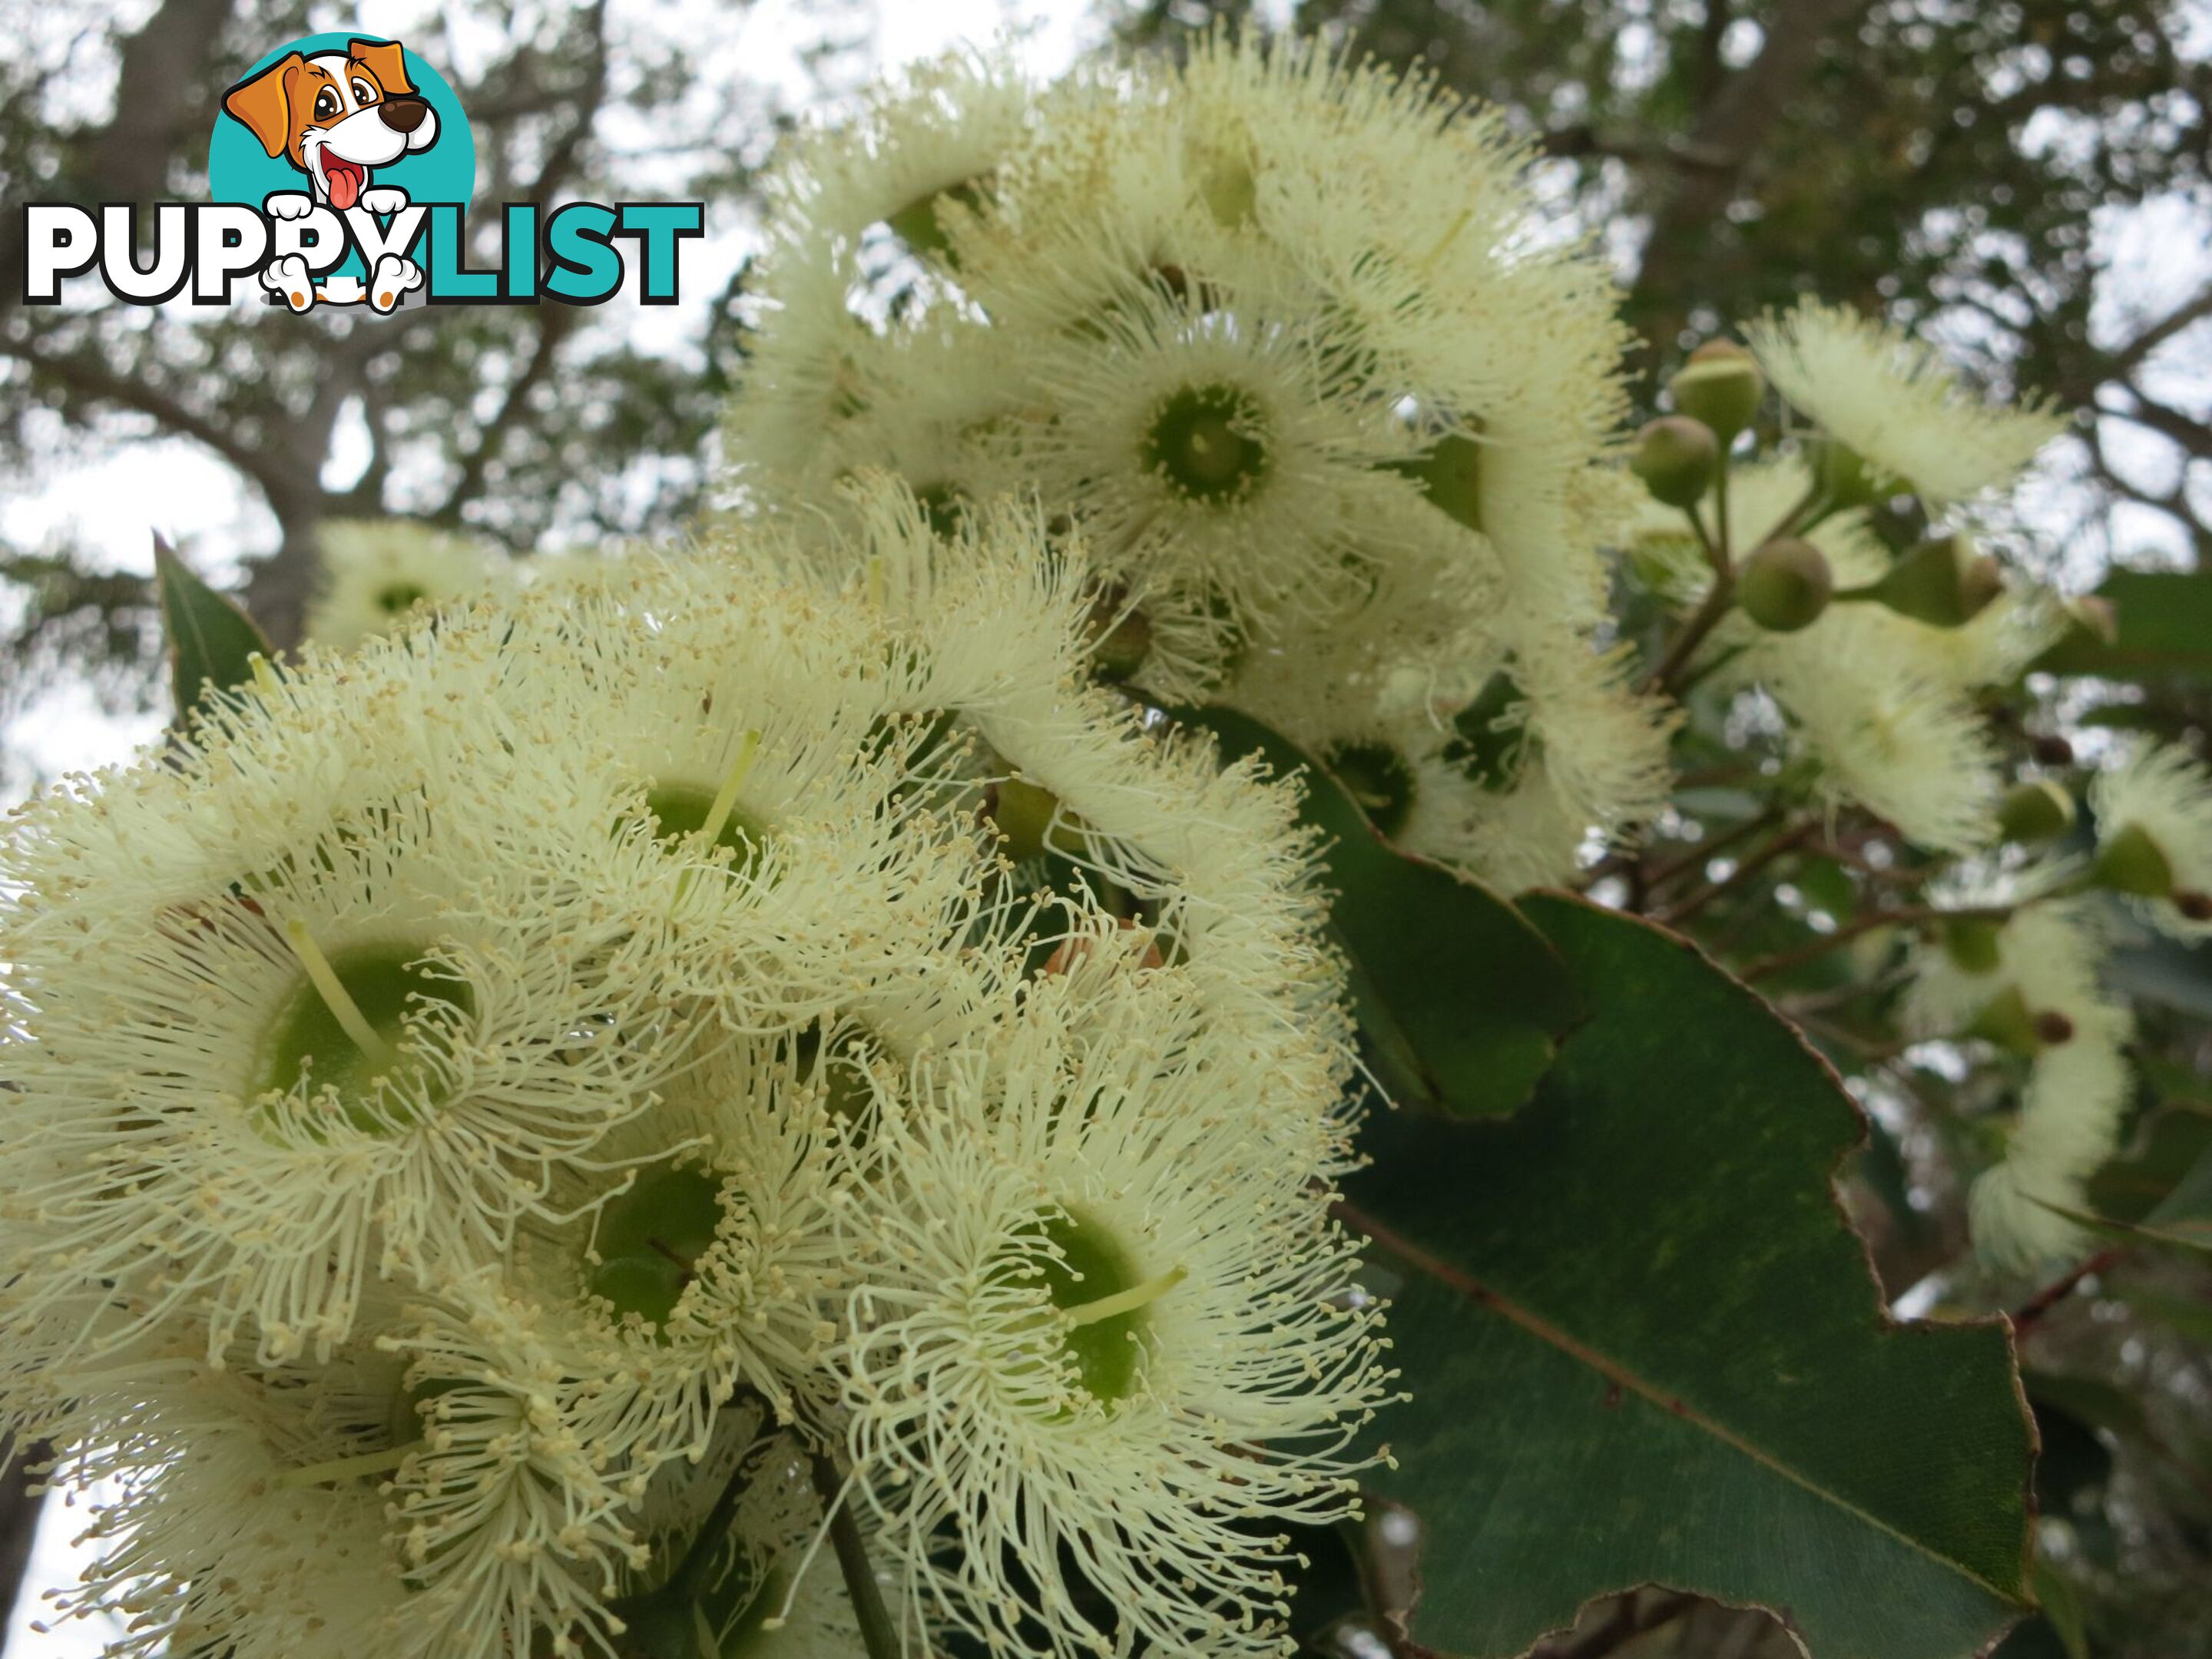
1782	844
2052	1294
1906	916
1685	644
1712	845
878	1634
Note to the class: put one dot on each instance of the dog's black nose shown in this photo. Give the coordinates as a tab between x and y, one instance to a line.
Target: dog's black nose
403	113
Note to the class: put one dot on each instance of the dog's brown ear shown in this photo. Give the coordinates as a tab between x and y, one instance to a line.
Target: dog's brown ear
264	103
386	61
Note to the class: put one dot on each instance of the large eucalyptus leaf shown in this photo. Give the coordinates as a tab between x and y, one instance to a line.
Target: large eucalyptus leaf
1461	1001
211	642
1644	1347
2163	620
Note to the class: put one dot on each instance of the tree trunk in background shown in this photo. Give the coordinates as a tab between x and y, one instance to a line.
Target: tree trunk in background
19	1526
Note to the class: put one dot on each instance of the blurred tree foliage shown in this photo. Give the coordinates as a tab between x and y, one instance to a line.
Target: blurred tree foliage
1949	162
524	424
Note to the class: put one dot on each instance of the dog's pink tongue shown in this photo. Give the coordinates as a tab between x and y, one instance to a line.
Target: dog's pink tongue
345	186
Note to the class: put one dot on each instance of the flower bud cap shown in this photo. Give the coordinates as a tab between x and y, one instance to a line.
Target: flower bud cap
1785	585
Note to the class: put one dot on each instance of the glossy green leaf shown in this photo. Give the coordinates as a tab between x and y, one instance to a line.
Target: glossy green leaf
210	639
2164	621
2167	972
1644	1346
1461	1001
2175	1140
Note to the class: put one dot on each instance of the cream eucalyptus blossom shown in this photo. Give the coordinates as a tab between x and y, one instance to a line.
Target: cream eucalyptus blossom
1211	317
1112	1328
1897	402
478	1099
381	576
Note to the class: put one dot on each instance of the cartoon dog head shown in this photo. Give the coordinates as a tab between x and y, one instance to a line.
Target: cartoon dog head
336	115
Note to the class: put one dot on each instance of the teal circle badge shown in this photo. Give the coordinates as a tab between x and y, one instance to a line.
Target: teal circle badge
330	116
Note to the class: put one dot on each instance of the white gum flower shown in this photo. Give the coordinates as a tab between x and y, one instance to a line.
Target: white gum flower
1218	460
1236	339
2031	982
1883	728
1216	859
1897	402
1557	746
250	1073
1113	1327
737	735
922	141
381	576
2068	1126
211	1532
2154	813
2050	949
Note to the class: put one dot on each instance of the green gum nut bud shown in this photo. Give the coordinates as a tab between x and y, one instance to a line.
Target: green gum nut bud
1785	585
2129	861
1971	942
1676	457
1843	475
2038	809
1942	582
1721	385
1025	815
2006	1021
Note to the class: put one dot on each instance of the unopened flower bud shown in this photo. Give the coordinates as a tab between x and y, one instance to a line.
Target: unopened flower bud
2096	617
2129	861
2007	1021
1024	814
1971	942
2037	810
1844	477
1785	585
1676	457
1942	582
1721	385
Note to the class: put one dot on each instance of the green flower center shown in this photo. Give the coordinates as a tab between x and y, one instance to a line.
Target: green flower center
367	1051
399	598
650	1239
1101	1304
1202	440
918	224
682	810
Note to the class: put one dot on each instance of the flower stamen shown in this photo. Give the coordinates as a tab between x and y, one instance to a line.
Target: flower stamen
347	1468
1123	1301
336	997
